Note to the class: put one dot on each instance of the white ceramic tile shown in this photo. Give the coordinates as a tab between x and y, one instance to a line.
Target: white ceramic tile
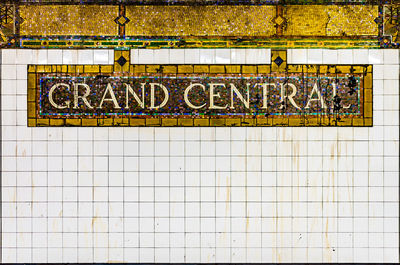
297	56
329	56
266	55
41	56
222	56
70	57
8	56
176	56
207	56
24	56
289	56
360	56
391	72
55	56
391	88
227	176
146	56
345	56
375	56
391	56
161	56
134	53
314	56
238	56
378	72
192	56
111	56
85	56
22	72
8	71
8	87
263	56
100	56
251	56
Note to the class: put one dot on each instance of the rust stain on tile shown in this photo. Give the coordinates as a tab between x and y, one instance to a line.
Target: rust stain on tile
94	218
332	151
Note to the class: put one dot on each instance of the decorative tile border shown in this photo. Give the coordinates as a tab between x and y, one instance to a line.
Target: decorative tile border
356	85
391	25
252	24
88	42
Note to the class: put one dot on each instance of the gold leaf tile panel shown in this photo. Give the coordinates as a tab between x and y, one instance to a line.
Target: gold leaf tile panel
319	20
354	20
200	20
43	20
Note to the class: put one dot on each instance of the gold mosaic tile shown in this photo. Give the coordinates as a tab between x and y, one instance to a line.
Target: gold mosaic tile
200	20
356	20
88	20
332	20
294	24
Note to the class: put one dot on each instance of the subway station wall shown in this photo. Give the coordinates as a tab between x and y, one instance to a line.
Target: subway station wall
211	194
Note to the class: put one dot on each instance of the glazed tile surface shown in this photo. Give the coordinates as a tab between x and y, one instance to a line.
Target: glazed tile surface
178	184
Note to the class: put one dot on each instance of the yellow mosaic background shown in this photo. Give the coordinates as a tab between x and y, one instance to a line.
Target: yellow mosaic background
333	20
44	20
295	24
201	21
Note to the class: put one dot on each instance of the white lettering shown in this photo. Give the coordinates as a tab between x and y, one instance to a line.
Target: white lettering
265	92
152	100
113	99
187	92
240	96
290	97
315	90
212	95
51	96
77	97
138	100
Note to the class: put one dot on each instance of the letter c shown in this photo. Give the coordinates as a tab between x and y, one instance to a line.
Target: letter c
187	92
51	96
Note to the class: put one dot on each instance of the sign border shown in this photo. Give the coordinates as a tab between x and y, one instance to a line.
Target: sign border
365	120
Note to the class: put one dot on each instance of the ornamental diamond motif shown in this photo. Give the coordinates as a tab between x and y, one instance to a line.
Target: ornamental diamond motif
121	61
279	20
278	61
122	20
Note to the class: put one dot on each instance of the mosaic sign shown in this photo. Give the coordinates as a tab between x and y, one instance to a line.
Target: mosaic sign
200	95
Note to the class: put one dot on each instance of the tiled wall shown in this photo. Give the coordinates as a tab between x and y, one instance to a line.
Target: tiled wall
200	194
